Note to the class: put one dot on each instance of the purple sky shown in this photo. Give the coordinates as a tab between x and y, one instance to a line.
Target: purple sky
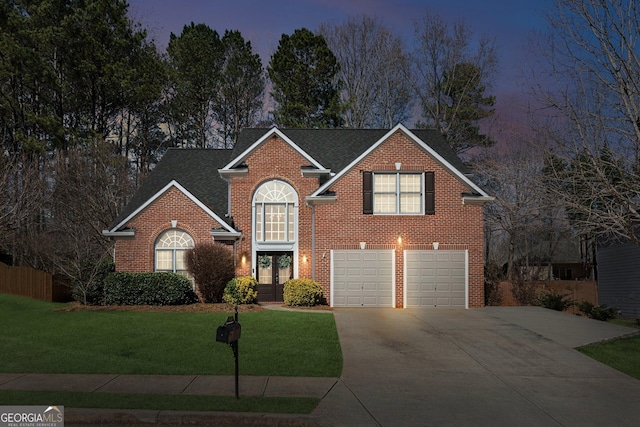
264	21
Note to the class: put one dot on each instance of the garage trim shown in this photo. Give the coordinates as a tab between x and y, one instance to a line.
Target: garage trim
405	272
389	279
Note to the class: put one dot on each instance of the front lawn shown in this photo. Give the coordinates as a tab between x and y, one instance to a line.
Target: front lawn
622	354
35	338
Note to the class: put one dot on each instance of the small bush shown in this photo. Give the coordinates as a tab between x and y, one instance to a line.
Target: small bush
554	301
598	312
211	265
90	289
302	292
241	290
148	289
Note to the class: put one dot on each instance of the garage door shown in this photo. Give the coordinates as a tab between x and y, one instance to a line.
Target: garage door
362	278
435	278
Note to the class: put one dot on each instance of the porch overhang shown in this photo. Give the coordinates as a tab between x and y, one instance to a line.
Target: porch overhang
234	172
322	199
223	234
476	199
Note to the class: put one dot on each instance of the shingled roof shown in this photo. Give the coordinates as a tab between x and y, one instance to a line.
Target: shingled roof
335	149
194	169
197	169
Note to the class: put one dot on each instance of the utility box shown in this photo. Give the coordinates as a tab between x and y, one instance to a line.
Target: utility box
229	332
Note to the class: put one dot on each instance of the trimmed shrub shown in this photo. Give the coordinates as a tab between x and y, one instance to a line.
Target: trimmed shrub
598	312
302	292
241	290
148	289
554	301
211	265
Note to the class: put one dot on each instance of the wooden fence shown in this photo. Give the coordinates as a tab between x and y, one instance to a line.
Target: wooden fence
29	282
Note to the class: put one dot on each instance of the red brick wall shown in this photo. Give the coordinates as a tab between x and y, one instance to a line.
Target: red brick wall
343	225
137	254
453	223
340	225
274	159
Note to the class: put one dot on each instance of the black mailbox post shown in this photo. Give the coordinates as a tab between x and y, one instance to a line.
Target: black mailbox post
229	333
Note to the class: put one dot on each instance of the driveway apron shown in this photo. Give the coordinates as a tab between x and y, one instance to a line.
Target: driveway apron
454	367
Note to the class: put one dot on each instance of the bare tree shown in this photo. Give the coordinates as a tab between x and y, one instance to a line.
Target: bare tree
450	77
373	64
523	217
590	85
21	198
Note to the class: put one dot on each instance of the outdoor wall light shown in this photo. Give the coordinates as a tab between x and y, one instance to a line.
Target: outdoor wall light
244	258
304	258
399	239
435	245
363	245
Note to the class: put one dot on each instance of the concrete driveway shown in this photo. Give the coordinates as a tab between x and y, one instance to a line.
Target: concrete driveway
497	366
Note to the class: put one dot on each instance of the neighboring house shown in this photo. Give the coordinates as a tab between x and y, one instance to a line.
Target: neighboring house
619	277
383	218
565	259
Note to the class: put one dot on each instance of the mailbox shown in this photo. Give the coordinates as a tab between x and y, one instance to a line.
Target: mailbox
229	332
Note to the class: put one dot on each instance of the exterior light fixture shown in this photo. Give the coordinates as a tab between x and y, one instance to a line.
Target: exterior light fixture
304	258
435	245
399	239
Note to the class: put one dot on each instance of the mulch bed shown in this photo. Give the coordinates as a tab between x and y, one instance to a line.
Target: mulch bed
190	308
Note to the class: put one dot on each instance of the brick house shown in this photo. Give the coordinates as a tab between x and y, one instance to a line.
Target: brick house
378	217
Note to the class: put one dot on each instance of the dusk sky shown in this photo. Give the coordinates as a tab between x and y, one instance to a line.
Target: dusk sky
264	21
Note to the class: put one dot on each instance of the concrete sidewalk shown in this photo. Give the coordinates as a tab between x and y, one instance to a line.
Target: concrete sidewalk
206	385
210	385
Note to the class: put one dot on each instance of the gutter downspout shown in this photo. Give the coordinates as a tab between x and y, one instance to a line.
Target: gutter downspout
313	243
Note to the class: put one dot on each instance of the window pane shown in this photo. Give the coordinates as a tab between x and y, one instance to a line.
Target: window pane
259	222
164	260
410	183
290	216
384	183
181	264
384	203
410	203
275	222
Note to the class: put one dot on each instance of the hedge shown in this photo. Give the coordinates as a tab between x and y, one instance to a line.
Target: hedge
148	289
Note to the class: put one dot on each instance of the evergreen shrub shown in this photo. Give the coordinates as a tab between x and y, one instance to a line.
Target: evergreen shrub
241	290
302	292
148	289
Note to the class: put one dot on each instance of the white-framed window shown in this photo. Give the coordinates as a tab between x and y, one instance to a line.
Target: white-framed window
274	219
398	193
170	250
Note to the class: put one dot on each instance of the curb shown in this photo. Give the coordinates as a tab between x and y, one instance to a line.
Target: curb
133	417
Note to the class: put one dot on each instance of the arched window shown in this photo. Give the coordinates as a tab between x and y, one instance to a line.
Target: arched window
170	251
274	212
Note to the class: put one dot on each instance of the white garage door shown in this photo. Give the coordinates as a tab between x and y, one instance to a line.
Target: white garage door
362	278
435	278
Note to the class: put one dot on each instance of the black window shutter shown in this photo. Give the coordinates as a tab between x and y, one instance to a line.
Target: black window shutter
367	193
429	193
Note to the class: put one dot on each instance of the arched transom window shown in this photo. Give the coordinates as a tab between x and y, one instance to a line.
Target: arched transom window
274	212
171	247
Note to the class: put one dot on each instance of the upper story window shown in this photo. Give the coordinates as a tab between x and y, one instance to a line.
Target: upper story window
170	251
398	193
274	220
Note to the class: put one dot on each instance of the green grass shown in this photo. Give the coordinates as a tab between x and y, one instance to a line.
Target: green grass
35	338
622	354
280	405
